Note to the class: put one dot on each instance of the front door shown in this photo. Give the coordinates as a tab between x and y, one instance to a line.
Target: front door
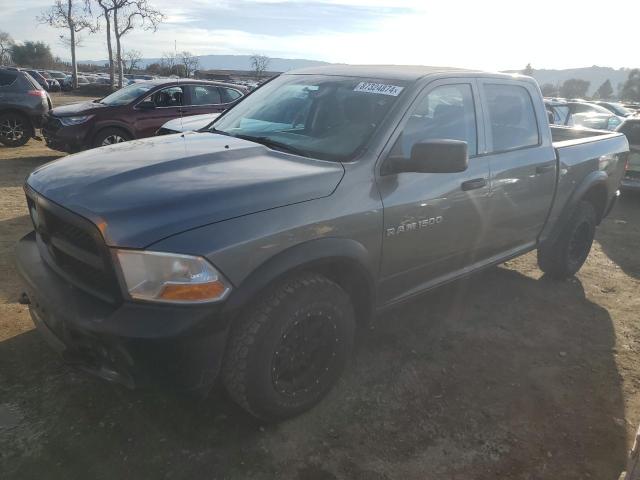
434	222
157	109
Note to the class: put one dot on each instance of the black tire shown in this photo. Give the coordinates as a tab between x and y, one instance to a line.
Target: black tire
567	254
15	129
266	368
110	136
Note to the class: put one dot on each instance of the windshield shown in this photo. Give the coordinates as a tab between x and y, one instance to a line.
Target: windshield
619	110
126	95
319	116
58	75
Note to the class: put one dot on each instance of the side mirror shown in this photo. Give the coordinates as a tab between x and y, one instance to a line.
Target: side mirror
434	156
551	118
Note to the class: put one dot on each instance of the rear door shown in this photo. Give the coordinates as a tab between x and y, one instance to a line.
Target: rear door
433	222
522	162
204	99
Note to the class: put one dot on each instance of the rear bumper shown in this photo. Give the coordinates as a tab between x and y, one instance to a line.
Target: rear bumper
631	182
131	343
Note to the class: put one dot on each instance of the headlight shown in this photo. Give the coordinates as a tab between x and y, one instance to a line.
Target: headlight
69	121
168	277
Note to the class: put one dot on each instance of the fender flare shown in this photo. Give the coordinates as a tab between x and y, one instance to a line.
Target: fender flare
597	178
313	254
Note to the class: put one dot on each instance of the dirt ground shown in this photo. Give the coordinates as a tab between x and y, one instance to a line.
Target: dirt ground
507	375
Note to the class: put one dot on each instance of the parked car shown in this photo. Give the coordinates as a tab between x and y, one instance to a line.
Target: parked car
136	111
187	124
83	81
616	108
253	249
23	104
631	128
63	79
54	86
572	114
38	77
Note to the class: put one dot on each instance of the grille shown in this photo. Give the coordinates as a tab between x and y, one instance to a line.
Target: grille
74	247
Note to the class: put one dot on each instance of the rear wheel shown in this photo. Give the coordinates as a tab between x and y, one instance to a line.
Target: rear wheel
289	350
568	253
15	129
110	136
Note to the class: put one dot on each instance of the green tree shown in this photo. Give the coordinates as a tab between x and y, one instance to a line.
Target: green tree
605	91
528	70
631	88
32	54
574	88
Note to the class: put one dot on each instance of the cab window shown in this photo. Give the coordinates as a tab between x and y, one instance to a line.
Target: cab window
445	113
512	119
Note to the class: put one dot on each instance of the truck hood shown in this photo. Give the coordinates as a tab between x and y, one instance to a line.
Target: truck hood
142	191
193	122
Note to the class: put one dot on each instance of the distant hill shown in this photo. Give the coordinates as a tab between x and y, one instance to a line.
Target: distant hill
236	62
595	75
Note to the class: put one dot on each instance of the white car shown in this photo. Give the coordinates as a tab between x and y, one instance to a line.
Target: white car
187	124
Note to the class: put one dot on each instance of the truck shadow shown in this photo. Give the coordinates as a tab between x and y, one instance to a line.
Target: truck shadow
14	171
499	376
620	234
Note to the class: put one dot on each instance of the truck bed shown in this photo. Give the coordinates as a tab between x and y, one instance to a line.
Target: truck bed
579	153
566	136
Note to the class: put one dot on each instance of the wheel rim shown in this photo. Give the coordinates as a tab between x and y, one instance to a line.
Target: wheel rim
305	354
580	244
12	129
112	139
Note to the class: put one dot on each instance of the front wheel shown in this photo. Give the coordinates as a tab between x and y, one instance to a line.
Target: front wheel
567	254
15	129
110	136
289	350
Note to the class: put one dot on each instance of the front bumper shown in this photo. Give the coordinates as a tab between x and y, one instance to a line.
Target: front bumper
131	343
66	139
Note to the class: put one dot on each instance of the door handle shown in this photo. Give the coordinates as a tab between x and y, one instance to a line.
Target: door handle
545	168
474	184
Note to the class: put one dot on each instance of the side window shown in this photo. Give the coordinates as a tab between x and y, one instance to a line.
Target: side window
511	117
167	97
7	78
229	94
205	95
446	112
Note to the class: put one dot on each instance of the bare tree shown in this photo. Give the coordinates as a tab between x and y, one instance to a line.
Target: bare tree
131	60
189	62
168	62
130	14
72	15
259	65
6	42
107	11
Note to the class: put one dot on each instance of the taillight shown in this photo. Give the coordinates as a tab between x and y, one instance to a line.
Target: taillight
37	93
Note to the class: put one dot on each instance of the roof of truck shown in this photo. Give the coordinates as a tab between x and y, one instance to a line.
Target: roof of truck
397	72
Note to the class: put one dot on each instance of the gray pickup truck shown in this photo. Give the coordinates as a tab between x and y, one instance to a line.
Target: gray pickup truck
253	250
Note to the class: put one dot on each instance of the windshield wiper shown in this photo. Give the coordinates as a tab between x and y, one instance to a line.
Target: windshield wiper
274	144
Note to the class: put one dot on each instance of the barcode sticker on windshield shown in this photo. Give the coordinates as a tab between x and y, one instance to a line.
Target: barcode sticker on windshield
380	88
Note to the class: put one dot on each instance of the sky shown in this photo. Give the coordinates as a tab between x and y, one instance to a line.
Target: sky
488	34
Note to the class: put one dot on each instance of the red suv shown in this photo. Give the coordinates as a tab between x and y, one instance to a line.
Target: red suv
135	111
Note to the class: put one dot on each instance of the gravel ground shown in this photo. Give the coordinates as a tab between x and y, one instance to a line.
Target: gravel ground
505	375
